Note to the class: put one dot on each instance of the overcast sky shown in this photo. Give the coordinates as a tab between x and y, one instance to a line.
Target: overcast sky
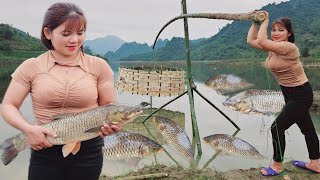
131	20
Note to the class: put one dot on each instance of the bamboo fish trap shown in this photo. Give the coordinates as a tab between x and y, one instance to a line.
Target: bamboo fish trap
151	81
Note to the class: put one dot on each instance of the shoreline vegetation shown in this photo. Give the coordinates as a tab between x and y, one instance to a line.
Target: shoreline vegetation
175	172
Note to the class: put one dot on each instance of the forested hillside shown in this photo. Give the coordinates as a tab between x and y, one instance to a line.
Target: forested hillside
230	42
133	48
16	44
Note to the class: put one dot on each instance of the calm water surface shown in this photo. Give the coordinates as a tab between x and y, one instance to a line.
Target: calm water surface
254	128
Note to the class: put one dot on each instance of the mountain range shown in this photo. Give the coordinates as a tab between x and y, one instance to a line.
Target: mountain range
102	45
228	43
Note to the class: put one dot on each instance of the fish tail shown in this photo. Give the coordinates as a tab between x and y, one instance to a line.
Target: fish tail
10	152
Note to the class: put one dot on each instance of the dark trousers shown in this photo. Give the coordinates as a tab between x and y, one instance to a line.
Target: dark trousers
49	164
296	110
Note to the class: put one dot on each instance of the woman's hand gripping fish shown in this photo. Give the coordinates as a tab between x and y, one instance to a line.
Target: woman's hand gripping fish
71	129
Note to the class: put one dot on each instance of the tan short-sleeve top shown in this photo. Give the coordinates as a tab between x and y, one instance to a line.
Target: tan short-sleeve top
287	68
52	95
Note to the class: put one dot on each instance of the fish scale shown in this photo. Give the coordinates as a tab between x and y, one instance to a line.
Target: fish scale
257	100
126	145
227	83
174	136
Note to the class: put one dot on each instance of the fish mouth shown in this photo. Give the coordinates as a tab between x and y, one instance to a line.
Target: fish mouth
229	105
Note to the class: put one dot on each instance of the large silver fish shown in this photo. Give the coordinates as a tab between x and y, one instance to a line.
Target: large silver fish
129	145
232	145
224	83
174	136
256	101
71	129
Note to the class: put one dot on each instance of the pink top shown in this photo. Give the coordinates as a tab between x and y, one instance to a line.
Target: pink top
59	88
287	67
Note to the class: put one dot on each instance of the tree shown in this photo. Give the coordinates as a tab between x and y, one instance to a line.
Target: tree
305	52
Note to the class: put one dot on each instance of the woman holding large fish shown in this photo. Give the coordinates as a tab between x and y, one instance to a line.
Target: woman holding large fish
283	61
64	80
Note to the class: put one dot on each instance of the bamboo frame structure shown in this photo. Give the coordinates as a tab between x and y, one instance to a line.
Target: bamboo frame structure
254	16
155	81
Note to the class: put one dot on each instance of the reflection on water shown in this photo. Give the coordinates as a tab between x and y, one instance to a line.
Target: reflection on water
255	129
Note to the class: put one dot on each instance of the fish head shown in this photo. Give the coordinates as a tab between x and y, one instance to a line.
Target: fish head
217	82
161	123
240	102
123	114
211	140
150	147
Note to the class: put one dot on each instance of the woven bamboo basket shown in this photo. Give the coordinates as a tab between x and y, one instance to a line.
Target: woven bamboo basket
151	81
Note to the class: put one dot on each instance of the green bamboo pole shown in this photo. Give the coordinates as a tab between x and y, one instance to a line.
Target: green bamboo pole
189	80
254	16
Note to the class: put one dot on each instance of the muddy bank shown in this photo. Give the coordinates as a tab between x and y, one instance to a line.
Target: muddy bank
186	174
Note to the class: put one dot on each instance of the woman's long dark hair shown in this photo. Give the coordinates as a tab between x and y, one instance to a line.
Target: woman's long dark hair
60	13
285	22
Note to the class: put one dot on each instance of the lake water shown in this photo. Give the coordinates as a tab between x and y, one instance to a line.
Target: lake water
254	127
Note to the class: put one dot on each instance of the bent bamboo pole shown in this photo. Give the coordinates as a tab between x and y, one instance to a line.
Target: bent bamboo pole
255	16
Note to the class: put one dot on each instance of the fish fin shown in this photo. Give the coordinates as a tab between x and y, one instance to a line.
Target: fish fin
76	148
133	161
67	148
59	116
93	130
9	151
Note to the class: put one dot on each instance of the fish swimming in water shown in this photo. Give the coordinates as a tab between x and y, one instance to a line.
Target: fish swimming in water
256	101
129	145
71	129
224	83
174	135
232	145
